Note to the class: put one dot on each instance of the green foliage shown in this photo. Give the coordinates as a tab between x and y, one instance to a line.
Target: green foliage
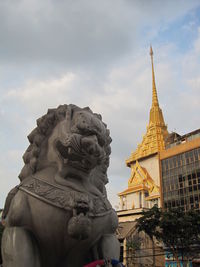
178	230
149	222
134	242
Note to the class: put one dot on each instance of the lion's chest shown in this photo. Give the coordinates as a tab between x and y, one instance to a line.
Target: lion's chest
51	226
50	210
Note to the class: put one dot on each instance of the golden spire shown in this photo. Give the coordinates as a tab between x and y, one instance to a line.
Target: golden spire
154	92
154	139
156	115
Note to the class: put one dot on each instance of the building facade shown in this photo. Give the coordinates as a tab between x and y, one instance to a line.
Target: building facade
180	172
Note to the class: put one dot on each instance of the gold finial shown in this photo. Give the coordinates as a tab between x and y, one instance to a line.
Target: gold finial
154	92
151	51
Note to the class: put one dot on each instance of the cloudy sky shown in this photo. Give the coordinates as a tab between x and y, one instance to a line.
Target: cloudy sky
96	53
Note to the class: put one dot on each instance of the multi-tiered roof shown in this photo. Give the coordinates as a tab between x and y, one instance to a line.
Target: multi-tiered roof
154	139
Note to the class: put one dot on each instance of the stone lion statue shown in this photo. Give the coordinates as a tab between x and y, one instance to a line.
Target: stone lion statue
59	214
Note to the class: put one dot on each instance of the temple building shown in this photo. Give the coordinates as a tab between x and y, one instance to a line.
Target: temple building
144	186
144	183
165	170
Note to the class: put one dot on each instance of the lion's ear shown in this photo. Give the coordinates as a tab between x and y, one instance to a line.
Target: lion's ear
88	109
99	117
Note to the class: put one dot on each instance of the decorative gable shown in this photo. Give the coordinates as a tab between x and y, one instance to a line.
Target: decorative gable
137	175
140	180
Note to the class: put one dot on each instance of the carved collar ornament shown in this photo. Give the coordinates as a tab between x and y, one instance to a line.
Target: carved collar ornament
66	198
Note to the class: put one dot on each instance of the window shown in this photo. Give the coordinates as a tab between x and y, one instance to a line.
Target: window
140	199
195	155
181	191
196	199
181	180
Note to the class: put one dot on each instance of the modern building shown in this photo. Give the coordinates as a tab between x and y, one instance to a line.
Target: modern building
165	170
180	176
180	171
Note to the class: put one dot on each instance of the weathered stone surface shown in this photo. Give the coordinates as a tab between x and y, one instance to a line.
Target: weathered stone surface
59	214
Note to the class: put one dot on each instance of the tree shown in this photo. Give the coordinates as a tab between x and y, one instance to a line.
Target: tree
149	223
178	230
133	245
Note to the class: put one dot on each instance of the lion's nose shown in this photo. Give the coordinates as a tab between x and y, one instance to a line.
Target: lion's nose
89	140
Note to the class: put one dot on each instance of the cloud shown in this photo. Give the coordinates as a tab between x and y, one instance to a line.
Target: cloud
36	93
79	32
64	31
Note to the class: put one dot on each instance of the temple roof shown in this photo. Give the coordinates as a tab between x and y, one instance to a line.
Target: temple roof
154	139
140	180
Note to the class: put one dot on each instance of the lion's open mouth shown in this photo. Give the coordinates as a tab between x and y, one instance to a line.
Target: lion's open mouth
74	159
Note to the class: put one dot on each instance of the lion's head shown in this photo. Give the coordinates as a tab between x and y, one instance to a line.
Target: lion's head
74	140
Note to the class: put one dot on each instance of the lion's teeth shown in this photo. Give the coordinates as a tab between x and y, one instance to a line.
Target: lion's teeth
69	150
